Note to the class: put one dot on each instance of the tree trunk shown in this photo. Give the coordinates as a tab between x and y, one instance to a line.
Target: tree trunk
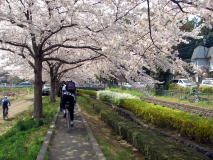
53	88
57	85
38	89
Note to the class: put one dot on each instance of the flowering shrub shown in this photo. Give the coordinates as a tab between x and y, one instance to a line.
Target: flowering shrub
114	97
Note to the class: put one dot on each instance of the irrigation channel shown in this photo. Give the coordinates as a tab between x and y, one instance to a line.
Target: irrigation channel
205	112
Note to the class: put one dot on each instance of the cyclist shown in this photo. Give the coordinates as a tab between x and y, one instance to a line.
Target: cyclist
69	97
5	104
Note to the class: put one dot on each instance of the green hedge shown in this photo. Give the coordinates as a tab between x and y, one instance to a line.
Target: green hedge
152	145
129	91
205	89
89	92
189	125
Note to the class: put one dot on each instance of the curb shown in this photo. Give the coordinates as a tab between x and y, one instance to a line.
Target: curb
98	152
43	150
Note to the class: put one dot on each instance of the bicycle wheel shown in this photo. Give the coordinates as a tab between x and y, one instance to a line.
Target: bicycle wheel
68	118
5	114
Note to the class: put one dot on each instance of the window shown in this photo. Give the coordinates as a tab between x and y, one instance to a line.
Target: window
174	81
207	82
185	81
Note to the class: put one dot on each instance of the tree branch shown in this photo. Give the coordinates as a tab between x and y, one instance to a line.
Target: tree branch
18	45
178	4
127	12
150	27
7	49
56	31
73	62
68	69
70	46
189	3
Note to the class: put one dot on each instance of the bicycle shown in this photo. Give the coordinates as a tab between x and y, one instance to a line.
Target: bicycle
67	113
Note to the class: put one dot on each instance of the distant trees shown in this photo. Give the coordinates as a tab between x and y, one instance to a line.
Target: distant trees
186	49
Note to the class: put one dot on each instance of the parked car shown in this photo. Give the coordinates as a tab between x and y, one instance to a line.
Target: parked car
183	82
126	85
139	85
46	90
3	84
24	84
207	82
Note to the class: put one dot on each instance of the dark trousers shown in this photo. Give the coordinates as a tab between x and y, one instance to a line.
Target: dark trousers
5	110
70	103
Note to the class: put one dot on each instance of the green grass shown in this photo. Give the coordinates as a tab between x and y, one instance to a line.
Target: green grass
114	152
129	91
24	89
85	105
24	139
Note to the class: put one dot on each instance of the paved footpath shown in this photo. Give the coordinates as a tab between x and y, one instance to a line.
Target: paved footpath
72	144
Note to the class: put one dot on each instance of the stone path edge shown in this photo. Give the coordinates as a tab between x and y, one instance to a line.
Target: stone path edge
45	145
98	152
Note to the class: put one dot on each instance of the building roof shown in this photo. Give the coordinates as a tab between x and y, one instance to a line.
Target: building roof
200	52
210	52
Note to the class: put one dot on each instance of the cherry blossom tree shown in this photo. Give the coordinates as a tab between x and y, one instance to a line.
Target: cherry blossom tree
29	29
132	35
17	66
56	69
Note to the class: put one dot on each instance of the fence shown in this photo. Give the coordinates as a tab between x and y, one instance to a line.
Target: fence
13	86
194	96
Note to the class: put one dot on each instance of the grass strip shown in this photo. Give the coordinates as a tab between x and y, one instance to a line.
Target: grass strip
17	90
23	141
154	146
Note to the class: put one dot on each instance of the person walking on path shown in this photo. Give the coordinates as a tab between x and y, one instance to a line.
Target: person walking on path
5	104
69	97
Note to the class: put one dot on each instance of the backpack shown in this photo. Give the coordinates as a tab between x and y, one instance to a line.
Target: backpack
70	86
5	103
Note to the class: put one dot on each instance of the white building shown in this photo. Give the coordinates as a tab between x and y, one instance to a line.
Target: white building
203	57
210	56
